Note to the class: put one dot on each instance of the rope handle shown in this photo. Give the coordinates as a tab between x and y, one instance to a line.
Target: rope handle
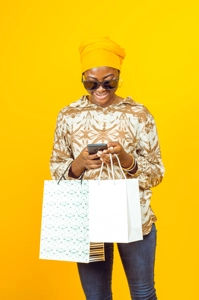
112	170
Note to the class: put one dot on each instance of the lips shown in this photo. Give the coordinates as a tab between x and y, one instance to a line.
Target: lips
101	96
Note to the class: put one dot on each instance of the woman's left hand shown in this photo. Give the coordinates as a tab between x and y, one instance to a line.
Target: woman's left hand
115	148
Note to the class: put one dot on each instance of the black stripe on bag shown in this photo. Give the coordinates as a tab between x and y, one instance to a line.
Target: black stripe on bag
96	252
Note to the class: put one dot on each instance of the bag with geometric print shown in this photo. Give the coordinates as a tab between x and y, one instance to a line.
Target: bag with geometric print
65	223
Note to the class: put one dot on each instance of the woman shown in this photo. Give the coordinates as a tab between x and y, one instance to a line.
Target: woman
129	130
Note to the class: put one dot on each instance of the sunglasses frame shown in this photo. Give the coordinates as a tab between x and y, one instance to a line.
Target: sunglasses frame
98	83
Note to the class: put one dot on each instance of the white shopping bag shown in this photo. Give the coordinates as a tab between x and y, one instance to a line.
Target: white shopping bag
114	210
65	227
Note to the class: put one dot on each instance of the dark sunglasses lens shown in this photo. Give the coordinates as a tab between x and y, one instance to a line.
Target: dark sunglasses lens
111	84
90	85
107	85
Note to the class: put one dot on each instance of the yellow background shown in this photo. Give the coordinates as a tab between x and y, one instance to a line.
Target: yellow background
39	74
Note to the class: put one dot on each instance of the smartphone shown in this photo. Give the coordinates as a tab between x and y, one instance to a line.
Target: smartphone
94	148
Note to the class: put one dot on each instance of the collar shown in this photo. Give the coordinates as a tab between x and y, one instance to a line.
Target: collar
84	102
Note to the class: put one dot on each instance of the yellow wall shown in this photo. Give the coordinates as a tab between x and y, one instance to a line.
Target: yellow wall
40	73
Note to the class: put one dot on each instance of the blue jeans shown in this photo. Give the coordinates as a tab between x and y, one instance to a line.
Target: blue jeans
138	260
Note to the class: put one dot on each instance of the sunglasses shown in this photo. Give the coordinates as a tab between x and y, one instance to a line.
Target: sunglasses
94	85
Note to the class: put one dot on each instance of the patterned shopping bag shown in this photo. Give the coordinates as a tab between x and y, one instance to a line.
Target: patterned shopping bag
65	223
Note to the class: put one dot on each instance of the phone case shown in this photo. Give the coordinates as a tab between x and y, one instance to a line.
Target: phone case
94	148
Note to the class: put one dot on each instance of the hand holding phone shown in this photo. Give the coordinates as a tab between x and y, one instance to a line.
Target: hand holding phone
94	148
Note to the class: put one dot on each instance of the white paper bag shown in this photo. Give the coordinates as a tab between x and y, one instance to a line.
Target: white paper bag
114	211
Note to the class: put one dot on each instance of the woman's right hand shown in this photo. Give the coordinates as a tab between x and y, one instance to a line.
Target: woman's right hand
84	161
90	161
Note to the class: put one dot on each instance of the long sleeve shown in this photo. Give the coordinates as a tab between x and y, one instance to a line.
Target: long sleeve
148	155
61	156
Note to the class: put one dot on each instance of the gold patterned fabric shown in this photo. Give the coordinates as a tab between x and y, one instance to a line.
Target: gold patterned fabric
125	121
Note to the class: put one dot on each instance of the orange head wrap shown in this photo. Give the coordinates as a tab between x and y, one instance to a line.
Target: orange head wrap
98	52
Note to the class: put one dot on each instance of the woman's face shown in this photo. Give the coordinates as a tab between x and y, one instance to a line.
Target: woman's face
101	96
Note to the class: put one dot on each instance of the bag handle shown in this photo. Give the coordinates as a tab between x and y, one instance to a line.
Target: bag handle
63	177
109	176
112	171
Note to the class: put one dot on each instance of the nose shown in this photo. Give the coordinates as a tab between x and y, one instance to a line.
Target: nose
100	88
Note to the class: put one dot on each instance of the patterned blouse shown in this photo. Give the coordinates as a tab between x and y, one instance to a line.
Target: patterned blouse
125	121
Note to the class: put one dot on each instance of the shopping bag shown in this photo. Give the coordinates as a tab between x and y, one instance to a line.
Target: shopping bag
78	216
114	210
65	223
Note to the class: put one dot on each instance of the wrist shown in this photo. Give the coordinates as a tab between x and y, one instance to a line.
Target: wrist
76	169
131	168
127	162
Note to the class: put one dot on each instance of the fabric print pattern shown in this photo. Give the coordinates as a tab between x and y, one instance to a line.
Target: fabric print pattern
125	121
